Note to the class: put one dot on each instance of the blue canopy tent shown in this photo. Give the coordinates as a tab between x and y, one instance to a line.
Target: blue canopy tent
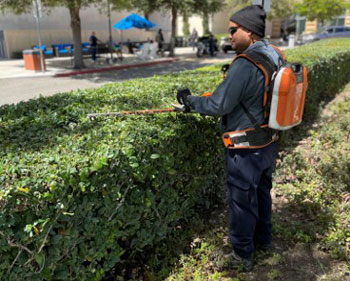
132	21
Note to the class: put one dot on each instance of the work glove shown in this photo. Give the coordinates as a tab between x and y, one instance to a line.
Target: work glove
224	69
179	107
182	98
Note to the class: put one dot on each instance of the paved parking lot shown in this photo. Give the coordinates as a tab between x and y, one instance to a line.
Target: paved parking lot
30	85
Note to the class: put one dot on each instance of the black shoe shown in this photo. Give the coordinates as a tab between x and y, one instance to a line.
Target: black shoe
238	262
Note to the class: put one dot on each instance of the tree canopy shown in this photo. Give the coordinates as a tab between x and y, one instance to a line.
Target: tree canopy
16	6
282	9
235	5
279	8
321	10
147	7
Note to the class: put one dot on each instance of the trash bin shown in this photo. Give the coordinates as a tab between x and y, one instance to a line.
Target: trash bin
291	41
32	60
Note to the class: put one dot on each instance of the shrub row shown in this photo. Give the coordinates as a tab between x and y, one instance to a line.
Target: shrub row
80	197
315	178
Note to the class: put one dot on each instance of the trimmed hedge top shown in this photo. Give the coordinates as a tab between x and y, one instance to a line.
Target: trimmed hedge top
78	197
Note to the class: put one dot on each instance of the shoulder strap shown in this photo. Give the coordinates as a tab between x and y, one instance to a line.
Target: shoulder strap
251	117
268	68
264	61
281	55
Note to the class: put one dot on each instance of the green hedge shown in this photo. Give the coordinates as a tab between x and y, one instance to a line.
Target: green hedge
79	198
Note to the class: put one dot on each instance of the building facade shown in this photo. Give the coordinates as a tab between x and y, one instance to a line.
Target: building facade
218	24
19	32
308	27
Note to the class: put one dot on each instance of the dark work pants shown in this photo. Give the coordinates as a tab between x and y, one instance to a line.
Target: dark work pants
249	182
93	52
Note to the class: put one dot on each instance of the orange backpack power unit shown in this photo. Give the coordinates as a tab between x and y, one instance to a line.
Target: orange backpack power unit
285	89
283	102
288	97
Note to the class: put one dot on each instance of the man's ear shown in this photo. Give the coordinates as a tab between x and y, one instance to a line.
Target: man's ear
251	36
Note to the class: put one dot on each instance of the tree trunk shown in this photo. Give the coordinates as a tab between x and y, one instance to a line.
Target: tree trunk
322	23
186	25
173	30
76	32
205	23
285	29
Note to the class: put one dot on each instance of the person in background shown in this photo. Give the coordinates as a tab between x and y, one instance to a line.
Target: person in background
193	38
160	39
211	43
129	45
93	41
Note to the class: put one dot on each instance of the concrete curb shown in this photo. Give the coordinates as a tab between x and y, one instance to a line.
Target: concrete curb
29	75
117	67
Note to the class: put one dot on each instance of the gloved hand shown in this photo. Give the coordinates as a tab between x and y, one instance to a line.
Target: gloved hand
179	107
224	69
182	94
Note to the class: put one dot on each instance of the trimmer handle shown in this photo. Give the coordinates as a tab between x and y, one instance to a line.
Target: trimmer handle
224	69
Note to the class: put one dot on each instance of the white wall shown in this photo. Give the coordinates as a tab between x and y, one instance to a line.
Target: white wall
195	21
20	30
220	21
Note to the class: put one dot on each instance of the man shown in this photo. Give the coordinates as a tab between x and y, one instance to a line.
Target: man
93	41
193	38
130	48
160	39
239	99
212	44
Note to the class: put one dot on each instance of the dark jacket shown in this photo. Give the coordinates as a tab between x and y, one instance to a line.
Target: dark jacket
93	39
244	83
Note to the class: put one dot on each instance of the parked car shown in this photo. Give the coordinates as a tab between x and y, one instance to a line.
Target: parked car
225	44
334	31
328	32
307	38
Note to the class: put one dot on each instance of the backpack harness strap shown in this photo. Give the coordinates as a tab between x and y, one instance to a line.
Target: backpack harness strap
250	138
282	57
268	68
261	135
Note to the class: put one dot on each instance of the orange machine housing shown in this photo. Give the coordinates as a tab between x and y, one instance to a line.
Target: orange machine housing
288	97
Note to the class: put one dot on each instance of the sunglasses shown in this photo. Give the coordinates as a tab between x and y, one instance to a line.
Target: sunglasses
233	29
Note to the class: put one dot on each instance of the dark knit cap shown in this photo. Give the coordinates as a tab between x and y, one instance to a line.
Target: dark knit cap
252	18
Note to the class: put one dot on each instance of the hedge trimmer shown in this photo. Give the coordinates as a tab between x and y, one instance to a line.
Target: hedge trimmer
182	107
181	98
137	112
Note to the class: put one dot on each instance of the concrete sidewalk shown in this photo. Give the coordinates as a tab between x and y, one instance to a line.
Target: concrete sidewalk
19	85
63	66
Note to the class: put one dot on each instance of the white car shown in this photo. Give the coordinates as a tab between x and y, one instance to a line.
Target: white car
333	32
225	44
